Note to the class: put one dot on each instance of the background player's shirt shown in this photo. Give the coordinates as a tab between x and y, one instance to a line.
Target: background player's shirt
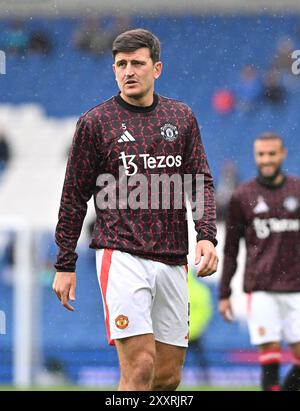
269	219
160	139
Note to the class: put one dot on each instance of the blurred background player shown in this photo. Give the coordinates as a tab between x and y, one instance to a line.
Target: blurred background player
266	211
141	252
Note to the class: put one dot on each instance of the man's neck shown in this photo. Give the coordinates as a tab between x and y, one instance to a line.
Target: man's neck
139	102
277	181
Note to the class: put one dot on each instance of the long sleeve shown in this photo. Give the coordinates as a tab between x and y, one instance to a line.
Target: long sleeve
201	195
235	228
79	185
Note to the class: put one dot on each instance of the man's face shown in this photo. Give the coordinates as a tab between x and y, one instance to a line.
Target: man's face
135	74
269	155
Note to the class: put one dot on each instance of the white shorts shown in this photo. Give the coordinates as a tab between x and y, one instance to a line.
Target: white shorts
273	316
142	296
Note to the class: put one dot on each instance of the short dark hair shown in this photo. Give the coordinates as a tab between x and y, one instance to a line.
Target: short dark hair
132	40
270	135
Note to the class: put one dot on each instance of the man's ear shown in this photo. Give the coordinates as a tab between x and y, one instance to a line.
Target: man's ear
157	69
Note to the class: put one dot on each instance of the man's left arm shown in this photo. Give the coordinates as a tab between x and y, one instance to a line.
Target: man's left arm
200	190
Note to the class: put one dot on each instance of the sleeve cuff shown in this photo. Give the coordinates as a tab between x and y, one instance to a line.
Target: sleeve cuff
208	238
65	270
225	296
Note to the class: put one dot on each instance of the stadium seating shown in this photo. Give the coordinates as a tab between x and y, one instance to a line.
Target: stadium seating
201	54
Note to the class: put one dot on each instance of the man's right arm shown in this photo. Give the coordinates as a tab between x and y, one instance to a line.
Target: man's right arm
235	227
79	185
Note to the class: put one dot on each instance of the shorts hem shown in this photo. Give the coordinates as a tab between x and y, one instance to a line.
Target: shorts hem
266	341
133	334
184	345
293	341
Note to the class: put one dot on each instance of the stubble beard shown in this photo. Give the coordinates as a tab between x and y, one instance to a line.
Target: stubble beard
271	178
136	95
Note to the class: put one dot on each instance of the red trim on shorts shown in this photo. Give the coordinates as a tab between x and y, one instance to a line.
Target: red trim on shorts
187	272
275	388
104	273
249	303
296	360
270	356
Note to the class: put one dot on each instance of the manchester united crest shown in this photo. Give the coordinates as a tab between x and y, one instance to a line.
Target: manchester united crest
122	322
169	132
291	203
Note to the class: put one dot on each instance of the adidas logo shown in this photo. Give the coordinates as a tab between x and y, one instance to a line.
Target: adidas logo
126	137
261	206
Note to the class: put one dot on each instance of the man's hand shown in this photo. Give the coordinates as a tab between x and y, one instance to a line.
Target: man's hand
64	285
209	263
225	309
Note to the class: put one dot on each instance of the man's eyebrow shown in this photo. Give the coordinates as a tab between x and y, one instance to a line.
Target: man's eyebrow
266	152
120	61
132	61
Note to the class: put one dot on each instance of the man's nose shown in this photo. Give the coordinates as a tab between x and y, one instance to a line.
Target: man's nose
129	70
266	161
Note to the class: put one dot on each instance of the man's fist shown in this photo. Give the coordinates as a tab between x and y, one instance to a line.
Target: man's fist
209	263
